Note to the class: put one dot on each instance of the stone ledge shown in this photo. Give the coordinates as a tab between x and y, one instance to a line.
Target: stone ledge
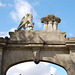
38	36
72	38
36	45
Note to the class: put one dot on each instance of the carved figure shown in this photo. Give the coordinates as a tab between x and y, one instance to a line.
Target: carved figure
24	22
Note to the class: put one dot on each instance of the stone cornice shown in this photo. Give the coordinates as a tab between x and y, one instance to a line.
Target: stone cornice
70	43
50	47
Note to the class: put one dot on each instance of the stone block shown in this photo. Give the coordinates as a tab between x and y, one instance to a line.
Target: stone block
27	36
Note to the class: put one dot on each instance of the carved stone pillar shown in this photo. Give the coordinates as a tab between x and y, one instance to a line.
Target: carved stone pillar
44	20
50	28
56	21
45	25
55	25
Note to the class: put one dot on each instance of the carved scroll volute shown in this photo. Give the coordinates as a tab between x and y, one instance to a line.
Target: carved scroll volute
36	55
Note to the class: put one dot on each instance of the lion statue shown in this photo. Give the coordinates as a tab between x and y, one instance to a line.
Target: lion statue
25	21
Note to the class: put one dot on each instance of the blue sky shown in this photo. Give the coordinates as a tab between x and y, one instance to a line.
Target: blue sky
11	12
10	16
30	68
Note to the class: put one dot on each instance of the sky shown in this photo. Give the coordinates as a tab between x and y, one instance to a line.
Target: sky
12	11
30	68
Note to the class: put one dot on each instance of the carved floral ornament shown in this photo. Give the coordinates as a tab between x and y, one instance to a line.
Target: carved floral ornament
50	17
50	22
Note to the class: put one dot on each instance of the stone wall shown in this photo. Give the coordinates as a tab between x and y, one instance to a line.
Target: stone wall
39	45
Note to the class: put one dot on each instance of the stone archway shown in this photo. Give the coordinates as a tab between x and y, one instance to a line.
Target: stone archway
38	45
30	68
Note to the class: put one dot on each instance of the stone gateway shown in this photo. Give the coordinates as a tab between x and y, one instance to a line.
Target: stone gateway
49	45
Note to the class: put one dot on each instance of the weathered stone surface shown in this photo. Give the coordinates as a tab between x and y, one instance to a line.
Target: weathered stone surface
50	22
25	21
53	37
39	45
49	45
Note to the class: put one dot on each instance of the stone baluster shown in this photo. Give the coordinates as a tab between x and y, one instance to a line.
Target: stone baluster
45	25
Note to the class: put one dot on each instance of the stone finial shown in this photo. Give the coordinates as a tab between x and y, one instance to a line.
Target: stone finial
50	22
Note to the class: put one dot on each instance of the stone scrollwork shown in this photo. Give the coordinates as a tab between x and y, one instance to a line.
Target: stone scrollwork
50	22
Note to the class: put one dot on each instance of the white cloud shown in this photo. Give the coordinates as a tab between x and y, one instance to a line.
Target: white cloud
3	34
30	68
53	70
6	33
22	7
2	5
12	29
